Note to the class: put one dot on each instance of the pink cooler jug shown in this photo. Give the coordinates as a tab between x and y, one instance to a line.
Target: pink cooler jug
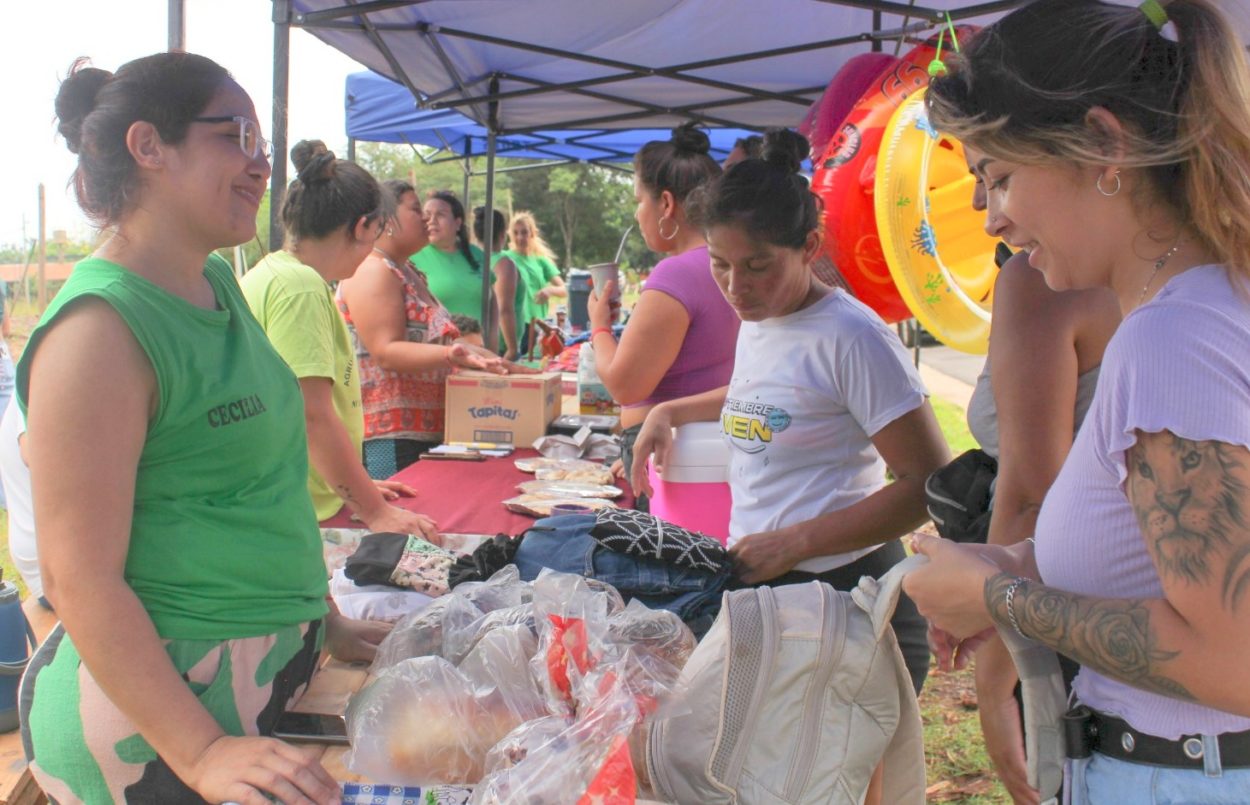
693	491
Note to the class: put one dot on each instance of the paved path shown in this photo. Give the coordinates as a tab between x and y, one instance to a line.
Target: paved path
950	375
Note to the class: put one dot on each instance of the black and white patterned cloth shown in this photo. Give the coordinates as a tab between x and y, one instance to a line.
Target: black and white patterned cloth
640	534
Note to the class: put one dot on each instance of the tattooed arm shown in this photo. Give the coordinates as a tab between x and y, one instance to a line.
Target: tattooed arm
1191	500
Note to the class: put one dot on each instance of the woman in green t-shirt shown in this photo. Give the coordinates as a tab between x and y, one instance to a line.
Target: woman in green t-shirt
533	259
168	460
451	262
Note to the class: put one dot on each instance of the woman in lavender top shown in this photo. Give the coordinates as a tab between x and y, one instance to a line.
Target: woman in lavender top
1117	148
681	335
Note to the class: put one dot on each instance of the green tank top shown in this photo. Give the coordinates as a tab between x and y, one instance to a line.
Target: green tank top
224	543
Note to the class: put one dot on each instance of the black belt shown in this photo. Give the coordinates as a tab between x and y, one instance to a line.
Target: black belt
1087	731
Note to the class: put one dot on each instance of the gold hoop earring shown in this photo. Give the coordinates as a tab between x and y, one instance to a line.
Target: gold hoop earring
676	228
1098	184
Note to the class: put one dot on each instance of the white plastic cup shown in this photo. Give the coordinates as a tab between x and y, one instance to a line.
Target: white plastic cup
601	275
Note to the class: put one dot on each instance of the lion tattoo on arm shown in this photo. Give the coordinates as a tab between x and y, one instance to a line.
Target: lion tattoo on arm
1188	496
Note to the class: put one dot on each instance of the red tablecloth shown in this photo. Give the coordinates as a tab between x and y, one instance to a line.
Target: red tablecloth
466	497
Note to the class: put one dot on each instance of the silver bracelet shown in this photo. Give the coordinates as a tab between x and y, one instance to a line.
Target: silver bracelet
1010	601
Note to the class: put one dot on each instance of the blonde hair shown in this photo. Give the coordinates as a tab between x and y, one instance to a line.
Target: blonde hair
537	246
1022	90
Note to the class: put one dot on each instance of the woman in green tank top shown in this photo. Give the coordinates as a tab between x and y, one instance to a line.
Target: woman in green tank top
169	464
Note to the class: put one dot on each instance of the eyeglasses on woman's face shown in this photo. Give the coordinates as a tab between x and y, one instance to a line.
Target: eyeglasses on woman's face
250	142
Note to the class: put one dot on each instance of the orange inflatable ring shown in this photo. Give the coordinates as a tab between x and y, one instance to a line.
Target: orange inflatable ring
845	178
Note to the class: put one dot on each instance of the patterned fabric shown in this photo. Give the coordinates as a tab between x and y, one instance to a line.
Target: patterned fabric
640	534
400	560
423	568
372	794
81	748
398	404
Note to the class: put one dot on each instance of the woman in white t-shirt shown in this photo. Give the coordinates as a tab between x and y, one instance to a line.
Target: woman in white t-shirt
823	399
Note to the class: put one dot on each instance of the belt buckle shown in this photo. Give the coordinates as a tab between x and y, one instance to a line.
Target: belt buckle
1192	747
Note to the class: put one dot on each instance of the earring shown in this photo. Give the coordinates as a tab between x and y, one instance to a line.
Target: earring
1098	184
676	228
390	231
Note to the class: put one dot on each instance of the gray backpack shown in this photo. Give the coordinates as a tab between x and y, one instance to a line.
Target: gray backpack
794	696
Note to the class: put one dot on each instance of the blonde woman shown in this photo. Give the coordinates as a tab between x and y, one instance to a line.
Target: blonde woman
536	270
1117	153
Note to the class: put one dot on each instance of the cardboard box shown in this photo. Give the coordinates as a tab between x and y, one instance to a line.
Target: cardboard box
508	409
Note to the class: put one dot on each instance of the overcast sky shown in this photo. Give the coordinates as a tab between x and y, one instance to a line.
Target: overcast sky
42	38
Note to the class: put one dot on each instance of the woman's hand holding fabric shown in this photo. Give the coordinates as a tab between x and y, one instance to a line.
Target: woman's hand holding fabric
764	556
949	588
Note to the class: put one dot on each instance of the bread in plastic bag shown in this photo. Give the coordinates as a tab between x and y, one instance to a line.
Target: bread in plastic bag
421	723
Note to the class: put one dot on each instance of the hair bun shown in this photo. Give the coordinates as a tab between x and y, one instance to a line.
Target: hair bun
313	161
688	138
76	98
785	149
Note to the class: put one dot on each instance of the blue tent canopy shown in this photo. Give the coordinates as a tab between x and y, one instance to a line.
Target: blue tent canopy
382	110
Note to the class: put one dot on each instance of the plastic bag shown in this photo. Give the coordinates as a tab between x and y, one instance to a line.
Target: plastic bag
588	762
460	639
658	632
421	634
500	663
422	723
572	619
502	590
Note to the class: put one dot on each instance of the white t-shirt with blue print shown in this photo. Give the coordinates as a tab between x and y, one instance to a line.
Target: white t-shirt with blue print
809	390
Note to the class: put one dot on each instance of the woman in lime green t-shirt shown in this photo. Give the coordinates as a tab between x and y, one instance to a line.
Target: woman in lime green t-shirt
333	213
176	536
452	264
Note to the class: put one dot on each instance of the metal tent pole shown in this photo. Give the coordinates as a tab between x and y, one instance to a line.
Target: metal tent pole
490	322
177	25
281	83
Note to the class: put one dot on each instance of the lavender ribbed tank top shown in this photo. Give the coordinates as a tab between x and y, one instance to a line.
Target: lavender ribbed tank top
1177	363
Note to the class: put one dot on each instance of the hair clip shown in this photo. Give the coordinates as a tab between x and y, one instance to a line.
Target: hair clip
1158	16
937	67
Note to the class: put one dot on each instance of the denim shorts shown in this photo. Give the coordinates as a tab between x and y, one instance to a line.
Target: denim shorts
1105	781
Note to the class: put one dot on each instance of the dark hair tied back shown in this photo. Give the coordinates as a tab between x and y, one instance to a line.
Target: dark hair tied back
677	165
76	99
462	234
688	138
95	109
785	150
313	162
767	196
329	194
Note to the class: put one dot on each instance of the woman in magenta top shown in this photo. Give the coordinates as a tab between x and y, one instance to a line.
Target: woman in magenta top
681	335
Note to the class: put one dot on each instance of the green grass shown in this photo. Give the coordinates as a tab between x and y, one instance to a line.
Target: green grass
953	421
